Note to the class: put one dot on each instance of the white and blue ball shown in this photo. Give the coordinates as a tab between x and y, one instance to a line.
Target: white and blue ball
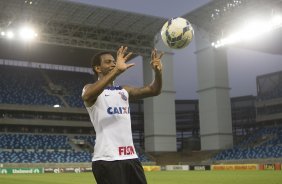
177	33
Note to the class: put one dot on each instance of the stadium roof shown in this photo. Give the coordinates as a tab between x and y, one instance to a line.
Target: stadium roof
70	33
220	17
83	28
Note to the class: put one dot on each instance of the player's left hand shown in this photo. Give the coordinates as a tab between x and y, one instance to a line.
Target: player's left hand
156	60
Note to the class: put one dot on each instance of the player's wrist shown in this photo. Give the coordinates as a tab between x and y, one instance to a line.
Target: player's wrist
158	71
117	71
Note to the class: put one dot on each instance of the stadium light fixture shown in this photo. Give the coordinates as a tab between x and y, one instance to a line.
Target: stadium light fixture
251	30
276	21
10	35
27	34
56	106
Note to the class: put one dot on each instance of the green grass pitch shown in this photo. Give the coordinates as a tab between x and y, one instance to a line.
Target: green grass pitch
163	177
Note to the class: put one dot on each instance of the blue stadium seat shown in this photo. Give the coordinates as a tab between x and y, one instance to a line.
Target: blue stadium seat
29	148
35	148
265	143
30	141
73	83
20	85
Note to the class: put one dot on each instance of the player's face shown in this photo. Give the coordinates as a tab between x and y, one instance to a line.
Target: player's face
107	63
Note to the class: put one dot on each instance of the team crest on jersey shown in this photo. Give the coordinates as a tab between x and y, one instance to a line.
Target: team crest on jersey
123	96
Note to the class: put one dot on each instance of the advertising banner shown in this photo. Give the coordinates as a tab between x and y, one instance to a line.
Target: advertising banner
234	167
68	170
21	170
177	167
152	168
268	167
200	167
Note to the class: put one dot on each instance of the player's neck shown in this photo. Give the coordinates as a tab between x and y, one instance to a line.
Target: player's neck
110	84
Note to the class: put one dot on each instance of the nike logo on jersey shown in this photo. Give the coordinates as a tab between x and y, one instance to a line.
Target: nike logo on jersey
107	95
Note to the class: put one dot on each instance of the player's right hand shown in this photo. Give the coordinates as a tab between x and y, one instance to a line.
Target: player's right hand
122	58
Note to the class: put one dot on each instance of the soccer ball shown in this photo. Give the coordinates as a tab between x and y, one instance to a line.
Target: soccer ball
177	33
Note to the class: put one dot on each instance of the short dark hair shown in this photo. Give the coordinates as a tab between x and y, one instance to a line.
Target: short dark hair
96	60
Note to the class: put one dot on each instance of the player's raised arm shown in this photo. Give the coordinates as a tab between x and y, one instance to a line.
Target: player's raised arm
155	87
107	69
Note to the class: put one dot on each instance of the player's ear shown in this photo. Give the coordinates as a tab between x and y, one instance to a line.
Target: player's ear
97	69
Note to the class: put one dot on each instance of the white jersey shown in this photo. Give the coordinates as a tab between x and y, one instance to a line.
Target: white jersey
110	116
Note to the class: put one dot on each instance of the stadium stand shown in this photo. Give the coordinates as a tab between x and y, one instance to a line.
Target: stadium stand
31	148
143	157
44	148
44	156
31	141
41	87
90	139
55	142
20	85
264	140
265	143
71	83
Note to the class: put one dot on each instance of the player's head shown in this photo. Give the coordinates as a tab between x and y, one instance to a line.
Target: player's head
101	62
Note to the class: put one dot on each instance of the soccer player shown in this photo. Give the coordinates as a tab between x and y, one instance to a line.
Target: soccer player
115	160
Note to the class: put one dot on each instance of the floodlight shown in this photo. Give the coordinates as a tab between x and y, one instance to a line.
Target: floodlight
56	106
251	30
10	35
276	21
27	34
